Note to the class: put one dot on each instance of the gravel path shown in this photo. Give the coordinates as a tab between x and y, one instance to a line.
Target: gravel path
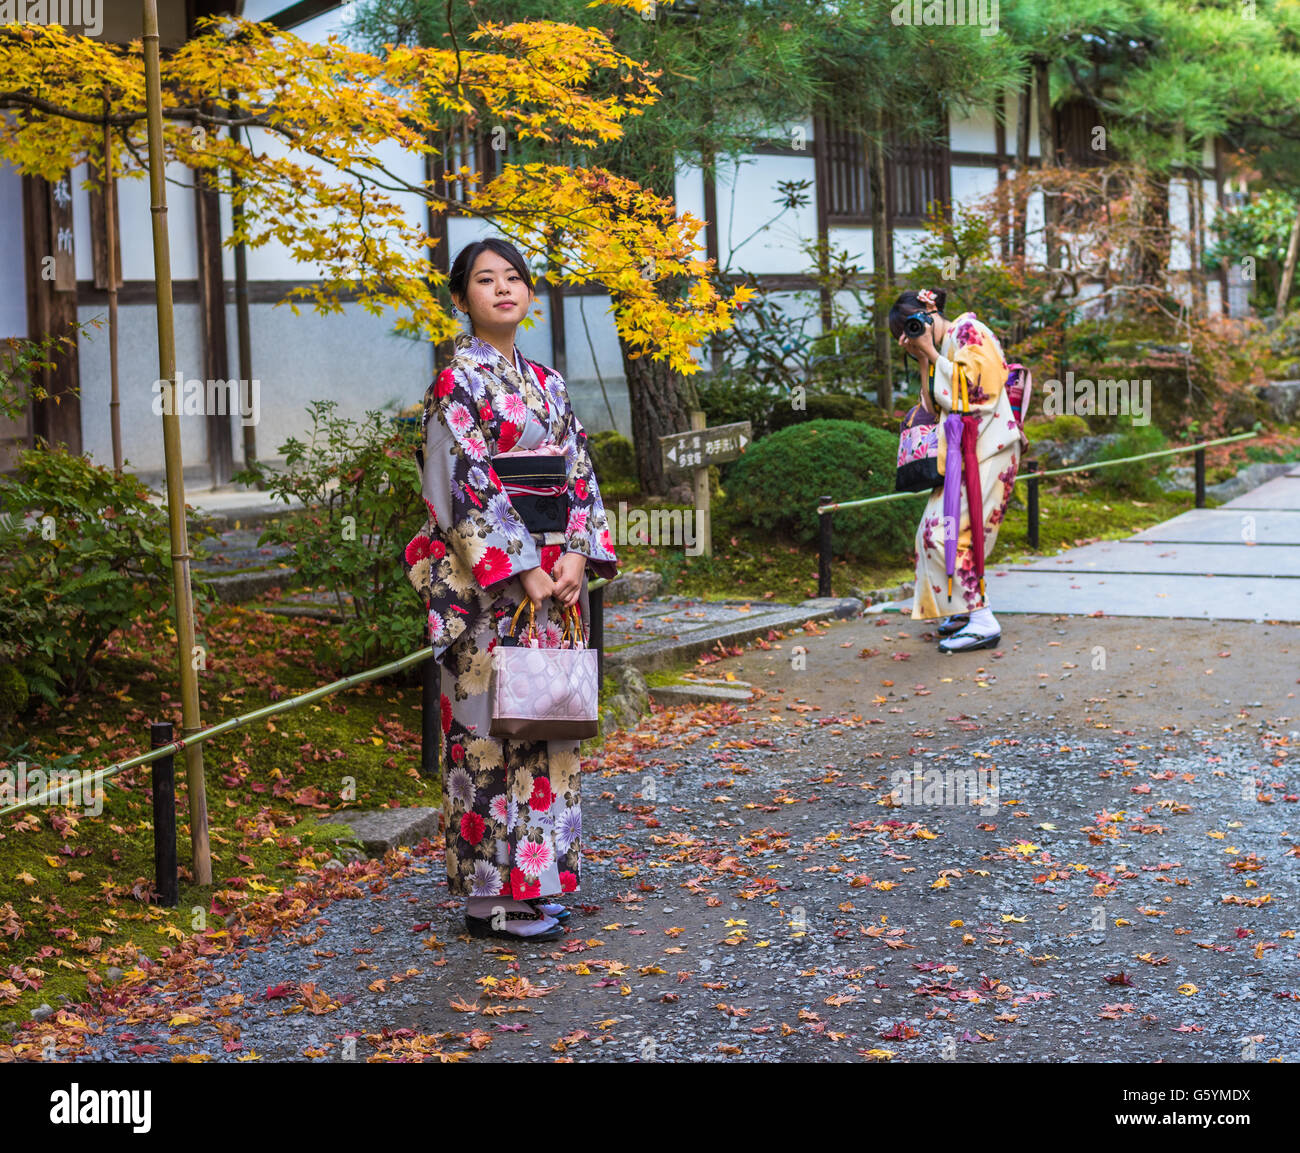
1127	894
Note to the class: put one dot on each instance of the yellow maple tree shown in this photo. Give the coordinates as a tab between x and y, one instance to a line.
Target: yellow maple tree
315	121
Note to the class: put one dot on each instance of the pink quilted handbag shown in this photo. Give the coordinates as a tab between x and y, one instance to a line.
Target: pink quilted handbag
544	694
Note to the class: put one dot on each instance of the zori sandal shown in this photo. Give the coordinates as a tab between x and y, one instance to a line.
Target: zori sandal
483	927
965	642
953	624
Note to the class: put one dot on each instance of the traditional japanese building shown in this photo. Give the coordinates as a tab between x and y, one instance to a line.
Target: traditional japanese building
355	358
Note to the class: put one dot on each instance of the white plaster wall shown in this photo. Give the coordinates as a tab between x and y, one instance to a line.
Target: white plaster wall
974	132
856	240
754	231
13	261
142	445
970	184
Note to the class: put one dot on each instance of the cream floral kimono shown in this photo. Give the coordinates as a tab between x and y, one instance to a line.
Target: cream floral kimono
512	808
971	344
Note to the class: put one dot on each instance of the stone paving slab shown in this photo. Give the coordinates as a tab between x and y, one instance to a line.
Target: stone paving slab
382	829
1127	556
1280	493
658	651
626	624
1224	526
1144	595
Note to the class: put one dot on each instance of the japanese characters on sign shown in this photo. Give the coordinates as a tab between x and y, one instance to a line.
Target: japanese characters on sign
705	446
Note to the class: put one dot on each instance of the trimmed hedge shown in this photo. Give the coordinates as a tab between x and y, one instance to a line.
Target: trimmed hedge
831	406
777	485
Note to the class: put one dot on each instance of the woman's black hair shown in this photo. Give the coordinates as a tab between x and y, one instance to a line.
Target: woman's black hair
458	278
910	302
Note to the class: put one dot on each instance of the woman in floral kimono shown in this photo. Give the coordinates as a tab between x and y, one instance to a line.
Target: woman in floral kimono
943	346
512	808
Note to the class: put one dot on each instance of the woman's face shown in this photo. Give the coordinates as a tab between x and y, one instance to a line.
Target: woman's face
497	297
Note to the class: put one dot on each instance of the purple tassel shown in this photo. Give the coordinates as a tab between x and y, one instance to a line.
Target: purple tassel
952	477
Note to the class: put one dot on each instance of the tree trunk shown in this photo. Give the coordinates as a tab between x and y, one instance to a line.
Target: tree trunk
1195	217
880	244
1047	151
1288	270
657	394
660	397
1153	244
1022	167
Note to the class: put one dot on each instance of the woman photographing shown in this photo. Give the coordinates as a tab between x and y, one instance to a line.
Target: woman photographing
512	807
963	371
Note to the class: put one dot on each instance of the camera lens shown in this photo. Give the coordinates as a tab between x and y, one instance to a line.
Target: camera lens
914	325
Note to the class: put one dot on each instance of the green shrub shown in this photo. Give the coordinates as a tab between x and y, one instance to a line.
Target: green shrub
360	490
832	406
1136	480
1065	428
83	553
777	485
612	456
730	398
13	695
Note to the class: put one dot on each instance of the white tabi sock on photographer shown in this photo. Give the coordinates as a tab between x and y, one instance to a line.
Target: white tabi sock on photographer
983	623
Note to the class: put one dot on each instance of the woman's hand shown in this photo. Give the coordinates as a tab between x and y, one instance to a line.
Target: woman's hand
568	577
538	585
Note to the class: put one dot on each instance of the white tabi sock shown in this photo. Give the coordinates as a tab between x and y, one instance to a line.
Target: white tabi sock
983	623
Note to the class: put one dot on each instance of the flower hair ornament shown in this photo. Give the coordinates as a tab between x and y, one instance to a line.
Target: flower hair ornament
925	296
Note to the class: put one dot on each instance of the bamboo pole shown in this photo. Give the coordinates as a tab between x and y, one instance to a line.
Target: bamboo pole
182	595
1095	465
98	777
110	238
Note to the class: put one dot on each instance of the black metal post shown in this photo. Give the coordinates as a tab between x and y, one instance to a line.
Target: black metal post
1033	504
824	552
164	817
1200	478
596	603
430	717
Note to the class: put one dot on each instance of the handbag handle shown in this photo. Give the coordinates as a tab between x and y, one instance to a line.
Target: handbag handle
532	622
573	627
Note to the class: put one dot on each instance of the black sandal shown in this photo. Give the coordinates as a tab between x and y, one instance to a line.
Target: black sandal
980	643
537	903
483	927
959	622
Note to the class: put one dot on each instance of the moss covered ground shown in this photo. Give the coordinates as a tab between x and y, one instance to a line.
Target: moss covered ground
75	887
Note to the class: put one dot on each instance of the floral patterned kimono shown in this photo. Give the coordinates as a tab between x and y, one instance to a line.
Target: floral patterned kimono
512	808
969	343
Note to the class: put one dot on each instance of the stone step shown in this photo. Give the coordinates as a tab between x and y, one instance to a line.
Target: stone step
382	829
686	692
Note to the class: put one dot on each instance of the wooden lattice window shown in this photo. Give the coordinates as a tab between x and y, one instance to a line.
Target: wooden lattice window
462	145
1076	124
917	173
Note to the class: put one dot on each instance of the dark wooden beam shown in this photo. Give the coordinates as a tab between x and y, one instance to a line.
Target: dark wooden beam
212	313
50	261
709	173
1000	138
821	171
435	167
301	12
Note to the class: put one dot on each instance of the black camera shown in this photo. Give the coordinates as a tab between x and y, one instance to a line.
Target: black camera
915	324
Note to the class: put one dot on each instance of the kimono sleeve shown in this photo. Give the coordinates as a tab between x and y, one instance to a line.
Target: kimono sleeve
588	528
470	515
980	357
